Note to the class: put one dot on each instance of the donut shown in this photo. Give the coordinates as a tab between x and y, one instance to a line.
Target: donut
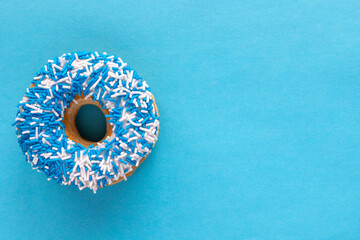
47	132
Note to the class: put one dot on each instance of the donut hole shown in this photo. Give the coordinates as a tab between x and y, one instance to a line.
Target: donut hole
91	123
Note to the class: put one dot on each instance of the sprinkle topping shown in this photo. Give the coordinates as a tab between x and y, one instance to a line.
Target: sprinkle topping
118	88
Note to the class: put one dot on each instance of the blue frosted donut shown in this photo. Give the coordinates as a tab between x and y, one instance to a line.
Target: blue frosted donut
50	143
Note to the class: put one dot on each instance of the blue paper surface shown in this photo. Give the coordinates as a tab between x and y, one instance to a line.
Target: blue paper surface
259	105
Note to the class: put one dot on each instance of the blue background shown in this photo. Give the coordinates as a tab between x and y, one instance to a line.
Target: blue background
260	113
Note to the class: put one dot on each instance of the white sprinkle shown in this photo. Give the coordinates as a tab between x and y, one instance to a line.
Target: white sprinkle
144	129
135	124
136	133
89	95
35	160
132	139
56	66
56	114
31	106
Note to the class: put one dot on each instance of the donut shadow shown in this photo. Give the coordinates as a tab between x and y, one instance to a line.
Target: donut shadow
116	203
